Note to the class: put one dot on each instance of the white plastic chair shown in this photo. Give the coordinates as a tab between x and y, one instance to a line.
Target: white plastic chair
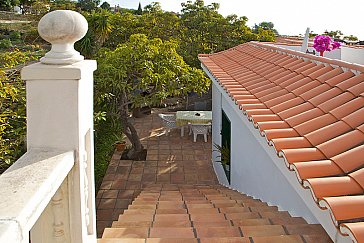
169	122
202	129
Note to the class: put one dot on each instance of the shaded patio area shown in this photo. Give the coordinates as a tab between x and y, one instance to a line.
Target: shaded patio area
170	160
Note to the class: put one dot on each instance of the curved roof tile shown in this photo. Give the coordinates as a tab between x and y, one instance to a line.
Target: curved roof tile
311	109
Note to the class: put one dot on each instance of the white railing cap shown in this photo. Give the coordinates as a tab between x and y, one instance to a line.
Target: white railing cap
62	28
28	185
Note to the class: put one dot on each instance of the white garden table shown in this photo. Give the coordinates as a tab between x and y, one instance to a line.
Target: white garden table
193	117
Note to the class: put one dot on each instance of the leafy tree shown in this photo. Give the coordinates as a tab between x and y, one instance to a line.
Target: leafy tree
25	5
154	24
105	5
99	29
312	34
266	35
140	10
351	38
154	7
144	72
62	5
7	5
12	105
40	7
334	34
207	31
88	5
266	26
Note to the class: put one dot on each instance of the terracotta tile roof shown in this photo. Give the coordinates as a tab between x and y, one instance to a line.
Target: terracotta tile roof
311	109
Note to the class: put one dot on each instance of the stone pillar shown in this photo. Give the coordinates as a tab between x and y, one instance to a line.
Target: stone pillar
60	116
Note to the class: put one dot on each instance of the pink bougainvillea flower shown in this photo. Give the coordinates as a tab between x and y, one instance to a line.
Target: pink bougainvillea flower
336	45
325	43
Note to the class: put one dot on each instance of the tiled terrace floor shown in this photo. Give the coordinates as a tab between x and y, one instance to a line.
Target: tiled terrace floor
174	197
171	160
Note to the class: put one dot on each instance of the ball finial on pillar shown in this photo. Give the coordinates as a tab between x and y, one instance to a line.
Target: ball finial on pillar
62	28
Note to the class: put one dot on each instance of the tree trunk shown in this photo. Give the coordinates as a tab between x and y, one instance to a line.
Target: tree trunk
129	130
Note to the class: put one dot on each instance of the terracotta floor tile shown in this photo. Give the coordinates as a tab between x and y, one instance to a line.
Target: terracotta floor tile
136	170
212	224
116	213
247	215
104	214
135	218
111	169
139	211
203	211
124	194
278	239
234	209
250	222
101	225
146	199
164	240
138	164
125	240
150	164
222	201
128	224
264	209
225	205
203	201
171	217
262	230
108	203
123	170
275	214
122	203
225	240
140	232
180	223
149	177
135	177
161	232
217	197
207	217
152	151
133	185
206	205
288	221
118	184
125	162
99	193
164	178
106	185
317	238
171	211
305	229
175	198
152	157
142	207
203	232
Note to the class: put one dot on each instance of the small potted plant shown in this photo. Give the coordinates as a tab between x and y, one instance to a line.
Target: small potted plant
224	156
120	142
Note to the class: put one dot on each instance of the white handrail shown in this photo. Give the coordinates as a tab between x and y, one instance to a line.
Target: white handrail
27	187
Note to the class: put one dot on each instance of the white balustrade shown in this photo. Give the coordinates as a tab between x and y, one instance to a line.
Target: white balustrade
49	192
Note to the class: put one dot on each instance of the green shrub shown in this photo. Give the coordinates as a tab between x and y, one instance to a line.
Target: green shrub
5	44
15	35
104	147
12	106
